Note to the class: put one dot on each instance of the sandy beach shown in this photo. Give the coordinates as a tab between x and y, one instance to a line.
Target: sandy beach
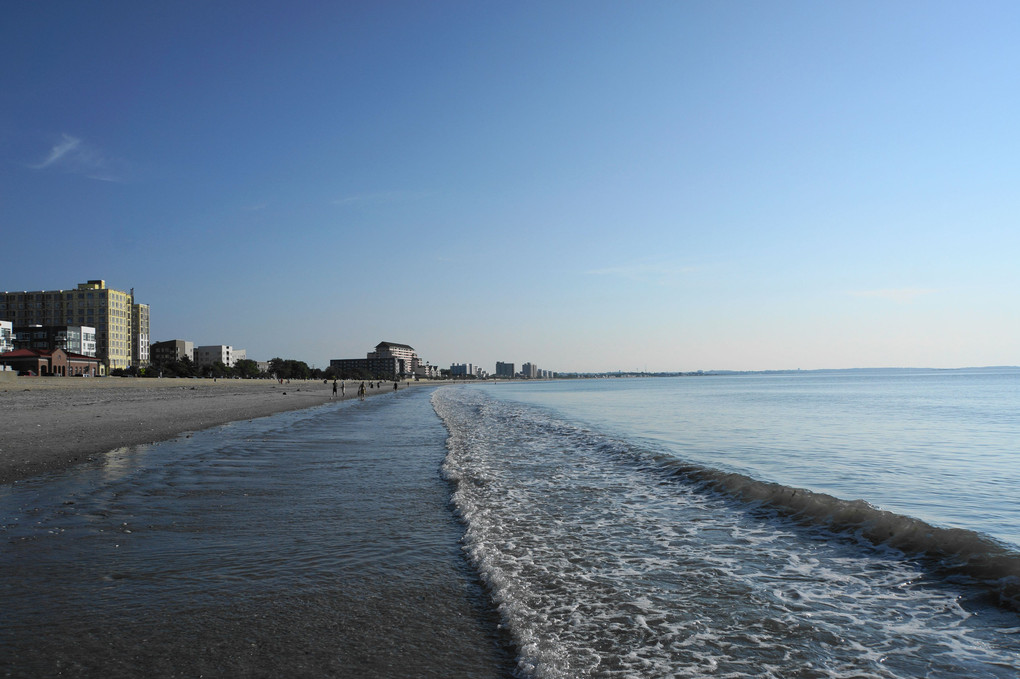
50	423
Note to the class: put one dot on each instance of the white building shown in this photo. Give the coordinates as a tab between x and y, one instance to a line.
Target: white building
7	336
224	353
426	371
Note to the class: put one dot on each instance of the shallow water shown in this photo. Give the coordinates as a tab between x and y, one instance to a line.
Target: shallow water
310	544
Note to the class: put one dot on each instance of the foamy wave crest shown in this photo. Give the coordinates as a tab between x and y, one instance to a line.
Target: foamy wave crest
607	559
949	551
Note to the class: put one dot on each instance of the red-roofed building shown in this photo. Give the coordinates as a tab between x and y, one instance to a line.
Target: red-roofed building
51	362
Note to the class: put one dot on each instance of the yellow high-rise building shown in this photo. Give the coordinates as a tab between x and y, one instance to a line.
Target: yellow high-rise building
122	327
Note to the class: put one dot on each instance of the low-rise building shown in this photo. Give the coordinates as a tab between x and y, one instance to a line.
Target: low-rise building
76	339
6	336
52	362
504	369
170	351
367	368
427	371
223	353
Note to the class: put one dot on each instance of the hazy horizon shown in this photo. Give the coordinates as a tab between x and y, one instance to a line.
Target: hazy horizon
590	187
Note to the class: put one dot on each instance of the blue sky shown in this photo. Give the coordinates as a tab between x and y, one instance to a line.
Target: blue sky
583	185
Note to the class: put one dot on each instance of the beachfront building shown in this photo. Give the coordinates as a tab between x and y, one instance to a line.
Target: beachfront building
6	336
222	353
140	337
113	313
390	360
76	339
504	369
467	370
529	371
56	362
404	352
427	371
367	368
170	351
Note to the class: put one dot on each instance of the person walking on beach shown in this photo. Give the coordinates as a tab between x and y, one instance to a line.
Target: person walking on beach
334	389
343	389
394	386
361	391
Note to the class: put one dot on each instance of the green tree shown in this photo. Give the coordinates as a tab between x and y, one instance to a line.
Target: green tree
184	367
217	369
279	368
300	370
247	369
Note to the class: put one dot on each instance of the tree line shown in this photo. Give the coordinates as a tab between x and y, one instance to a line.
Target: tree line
279	368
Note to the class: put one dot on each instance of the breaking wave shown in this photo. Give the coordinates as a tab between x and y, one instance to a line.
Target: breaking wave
609	559
947	551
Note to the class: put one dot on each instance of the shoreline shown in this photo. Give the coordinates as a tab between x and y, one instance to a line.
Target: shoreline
51	423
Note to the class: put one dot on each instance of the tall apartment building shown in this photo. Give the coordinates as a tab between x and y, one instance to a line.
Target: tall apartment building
140	338
462	369
504	369
118	320
529	371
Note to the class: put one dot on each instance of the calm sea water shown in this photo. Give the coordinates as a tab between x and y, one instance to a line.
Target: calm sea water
806	525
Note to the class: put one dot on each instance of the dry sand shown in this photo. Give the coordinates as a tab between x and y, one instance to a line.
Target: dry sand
53	422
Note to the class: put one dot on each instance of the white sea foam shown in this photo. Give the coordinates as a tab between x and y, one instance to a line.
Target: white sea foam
604	567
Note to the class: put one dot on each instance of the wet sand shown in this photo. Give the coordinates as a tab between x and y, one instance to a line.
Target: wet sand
319	543
49	423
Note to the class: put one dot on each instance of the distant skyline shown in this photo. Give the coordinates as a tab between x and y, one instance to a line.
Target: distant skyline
587	186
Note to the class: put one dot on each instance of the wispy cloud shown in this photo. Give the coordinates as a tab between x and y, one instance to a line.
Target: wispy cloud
659	273
74	155
903	295
381	197
66	146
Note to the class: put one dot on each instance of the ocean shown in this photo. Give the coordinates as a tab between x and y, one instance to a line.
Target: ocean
817	524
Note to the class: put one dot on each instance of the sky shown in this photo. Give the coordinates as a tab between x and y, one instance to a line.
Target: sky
587	186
